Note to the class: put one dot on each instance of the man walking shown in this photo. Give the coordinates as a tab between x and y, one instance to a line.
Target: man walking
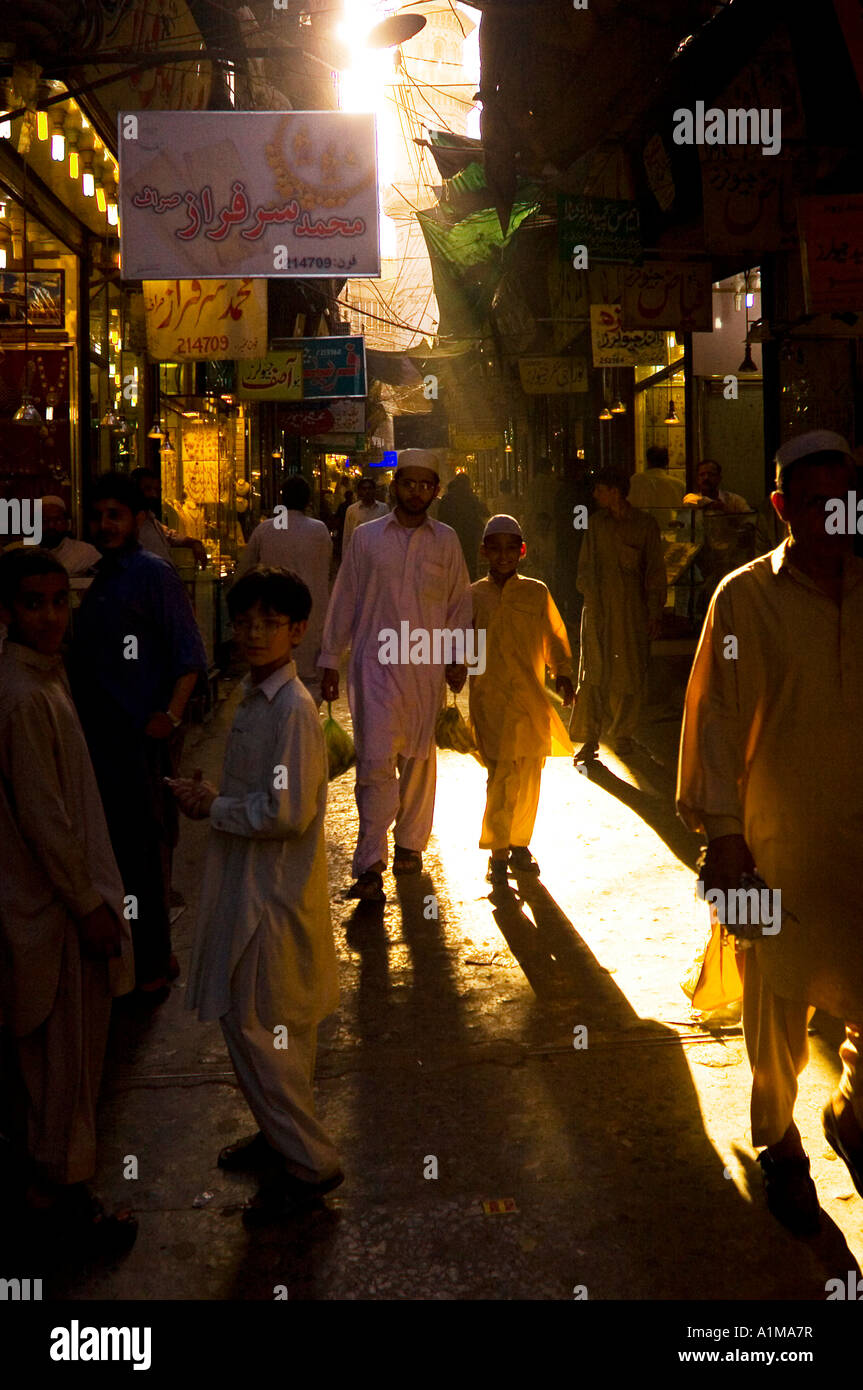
621	573
769	772
366	508
291	540
401	571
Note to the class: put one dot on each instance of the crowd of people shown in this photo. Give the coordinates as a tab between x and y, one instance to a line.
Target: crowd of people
91	743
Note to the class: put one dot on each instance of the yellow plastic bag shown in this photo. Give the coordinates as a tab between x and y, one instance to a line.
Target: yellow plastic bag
452	731
714	981
340	746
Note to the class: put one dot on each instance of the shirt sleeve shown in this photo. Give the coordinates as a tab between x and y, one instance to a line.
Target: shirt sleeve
338	627
183	641
712	736
655	576
558	654
250	554
285	808
459	612
585	562
43	817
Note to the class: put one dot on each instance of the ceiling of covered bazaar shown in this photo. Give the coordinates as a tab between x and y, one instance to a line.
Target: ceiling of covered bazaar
557	81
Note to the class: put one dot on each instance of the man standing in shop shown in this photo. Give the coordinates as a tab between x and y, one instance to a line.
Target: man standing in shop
402	571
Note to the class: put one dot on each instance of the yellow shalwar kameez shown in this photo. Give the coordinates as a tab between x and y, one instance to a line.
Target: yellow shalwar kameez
515	725
770	749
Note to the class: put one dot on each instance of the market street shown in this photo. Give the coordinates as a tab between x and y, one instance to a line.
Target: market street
627	1159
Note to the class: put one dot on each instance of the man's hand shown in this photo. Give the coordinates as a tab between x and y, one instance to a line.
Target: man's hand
330	686
100	934
455	677
563	686
159	726
198	551
727	858
194	795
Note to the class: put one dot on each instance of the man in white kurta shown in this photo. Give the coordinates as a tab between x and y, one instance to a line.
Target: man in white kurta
515	725
297	542
621	573
365	509
264	957
60	891
403	569
769	770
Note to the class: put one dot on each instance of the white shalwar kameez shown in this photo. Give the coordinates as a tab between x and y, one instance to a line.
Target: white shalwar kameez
264	954
394	574
770	749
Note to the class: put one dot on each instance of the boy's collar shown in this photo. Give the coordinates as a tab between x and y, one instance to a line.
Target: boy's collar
274	682
27	657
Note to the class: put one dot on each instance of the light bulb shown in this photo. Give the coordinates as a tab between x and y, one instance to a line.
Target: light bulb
58	146
2	257
5	130
74	166
112	214
101	202
88	184
42	125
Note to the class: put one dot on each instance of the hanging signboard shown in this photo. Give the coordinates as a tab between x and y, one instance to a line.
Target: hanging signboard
276	377
546	376
212	320
671	295
206	194
748	202
310	369
831	234
333	367
612	347
608	227
332	417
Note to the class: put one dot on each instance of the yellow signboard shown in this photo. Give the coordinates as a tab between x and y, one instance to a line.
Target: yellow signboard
276	377
207	320
544	376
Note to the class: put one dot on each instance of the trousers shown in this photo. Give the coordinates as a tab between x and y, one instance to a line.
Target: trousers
777	1042
597	711
277	1082
512	800
396	789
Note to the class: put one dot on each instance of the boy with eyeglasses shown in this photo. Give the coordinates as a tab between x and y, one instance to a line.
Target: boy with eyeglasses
264	958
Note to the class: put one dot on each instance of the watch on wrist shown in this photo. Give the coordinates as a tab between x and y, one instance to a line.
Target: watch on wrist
173	718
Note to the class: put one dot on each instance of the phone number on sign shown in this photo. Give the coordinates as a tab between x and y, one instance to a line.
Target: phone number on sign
218	342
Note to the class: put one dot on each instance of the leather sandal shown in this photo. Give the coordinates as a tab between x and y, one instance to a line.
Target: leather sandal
521	861
286	1197
406	861
250	1155
851	1157
369	887
790	1193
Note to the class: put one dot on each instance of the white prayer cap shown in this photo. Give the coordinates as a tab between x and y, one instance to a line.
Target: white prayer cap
813	442
419	458
52	501
501	525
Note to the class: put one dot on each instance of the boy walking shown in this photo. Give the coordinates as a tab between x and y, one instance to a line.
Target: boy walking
515	725
66	946
264	959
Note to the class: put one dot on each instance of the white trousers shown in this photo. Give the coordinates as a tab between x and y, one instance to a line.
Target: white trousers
277	1082
396	789
777	1041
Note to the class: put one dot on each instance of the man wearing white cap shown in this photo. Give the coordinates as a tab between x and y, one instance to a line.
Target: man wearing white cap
76	557
365	509
402	571
769	771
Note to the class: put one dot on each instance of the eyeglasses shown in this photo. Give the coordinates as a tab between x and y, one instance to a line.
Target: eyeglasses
245	623
411	485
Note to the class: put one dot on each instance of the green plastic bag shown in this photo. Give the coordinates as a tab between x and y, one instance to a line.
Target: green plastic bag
340	746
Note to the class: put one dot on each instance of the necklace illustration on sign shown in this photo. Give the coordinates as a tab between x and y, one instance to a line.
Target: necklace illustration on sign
329	193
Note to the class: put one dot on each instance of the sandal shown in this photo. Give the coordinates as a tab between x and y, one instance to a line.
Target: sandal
369	887
521	861
406	861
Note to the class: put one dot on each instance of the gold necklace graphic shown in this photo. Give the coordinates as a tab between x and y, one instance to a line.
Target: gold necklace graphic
330	193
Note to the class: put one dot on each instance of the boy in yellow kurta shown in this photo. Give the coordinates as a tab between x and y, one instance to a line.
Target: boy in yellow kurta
514	723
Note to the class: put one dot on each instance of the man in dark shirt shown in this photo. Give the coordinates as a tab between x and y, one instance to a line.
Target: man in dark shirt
135	660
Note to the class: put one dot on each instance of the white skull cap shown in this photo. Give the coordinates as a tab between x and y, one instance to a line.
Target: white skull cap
52	501
501	525
419	458
814	442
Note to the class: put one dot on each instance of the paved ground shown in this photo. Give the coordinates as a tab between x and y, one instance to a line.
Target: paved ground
627	1161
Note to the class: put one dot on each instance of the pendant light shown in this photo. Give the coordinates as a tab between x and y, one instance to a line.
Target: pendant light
672	417
26	414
